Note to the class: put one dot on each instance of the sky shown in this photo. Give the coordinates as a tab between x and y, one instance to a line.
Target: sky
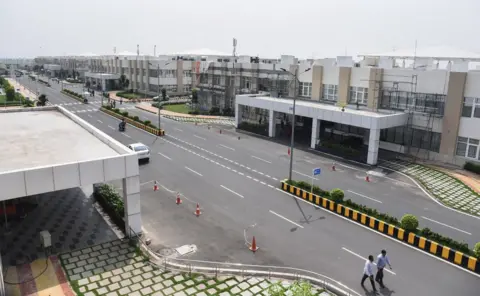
268	28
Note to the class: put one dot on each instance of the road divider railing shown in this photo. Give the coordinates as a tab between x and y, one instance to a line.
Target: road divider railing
217	269
448	254
73	95
133	120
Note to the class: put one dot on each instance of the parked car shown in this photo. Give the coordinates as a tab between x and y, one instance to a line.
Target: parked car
142	151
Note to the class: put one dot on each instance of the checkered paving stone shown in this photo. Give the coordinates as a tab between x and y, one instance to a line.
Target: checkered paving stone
445	188
70	218
121	277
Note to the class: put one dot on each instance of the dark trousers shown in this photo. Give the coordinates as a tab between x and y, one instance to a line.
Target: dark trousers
379	276
365	276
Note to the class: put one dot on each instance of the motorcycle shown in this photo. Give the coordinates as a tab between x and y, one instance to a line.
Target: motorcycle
121	126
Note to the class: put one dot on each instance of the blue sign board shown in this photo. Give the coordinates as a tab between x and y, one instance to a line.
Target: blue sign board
316	171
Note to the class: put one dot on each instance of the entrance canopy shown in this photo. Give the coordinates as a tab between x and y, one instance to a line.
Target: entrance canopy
49	149
359	118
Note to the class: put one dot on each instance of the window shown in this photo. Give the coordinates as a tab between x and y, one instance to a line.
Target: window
305	89
330	92
187	73
358	94
187	88
412	137
467	147
467	107
216	79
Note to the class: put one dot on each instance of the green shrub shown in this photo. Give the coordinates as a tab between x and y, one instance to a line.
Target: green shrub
136	118
476	250
116	110
409	222
147	122
108	107
125	113
337	195
472	167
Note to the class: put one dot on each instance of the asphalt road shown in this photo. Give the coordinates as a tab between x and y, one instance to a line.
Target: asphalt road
289	232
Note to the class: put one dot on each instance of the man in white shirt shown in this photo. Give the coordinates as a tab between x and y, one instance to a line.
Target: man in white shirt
368	272
382	261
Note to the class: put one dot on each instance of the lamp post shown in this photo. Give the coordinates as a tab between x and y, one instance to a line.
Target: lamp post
295	94
158	77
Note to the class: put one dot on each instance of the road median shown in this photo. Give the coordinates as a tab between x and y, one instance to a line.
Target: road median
73	95
134	120
458	258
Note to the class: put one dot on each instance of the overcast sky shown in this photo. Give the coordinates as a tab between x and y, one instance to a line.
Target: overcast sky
269	28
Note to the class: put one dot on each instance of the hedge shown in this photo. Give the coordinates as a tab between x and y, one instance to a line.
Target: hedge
112	203
472	167
73	93
425	232
134	118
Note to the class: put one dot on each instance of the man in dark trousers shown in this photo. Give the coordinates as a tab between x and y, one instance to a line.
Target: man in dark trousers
368	272
382	261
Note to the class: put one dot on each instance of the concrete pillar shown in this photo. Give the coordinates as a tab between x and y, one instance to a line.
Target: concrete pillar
130	73
317	82
343	85
316	125
146	77
238	114
135	74
272	123
179	76
373	143
374	82
131	200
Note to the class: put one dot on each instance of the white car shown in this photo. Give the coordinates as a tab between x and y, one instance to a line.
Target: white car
142	151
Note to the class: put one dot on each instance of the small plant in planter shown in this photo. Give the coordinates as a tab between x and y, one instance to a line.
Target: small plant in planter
116	110
476	250
125	113
337	195
136	118
147	122
409	222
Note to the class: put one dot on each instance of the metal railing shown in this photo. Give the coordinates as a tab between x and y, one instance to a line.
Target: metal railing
216	269
2	280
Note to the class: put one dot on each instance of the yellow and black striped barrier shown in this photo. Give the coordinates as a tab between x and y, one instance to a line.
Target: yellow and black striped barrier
456	257
155	131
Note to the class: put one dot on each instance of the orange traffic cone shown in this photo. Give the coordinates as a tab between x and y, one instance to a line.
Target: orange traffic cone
333	167
253	247
179	201
155	186
367	178
197	211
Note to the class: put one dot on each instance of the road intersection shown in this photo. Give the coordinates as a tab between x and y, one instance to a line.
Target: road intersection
236	184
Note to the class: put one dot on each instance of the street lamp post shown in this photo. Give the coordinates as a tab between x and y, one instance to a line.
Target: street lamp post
158	82
295	94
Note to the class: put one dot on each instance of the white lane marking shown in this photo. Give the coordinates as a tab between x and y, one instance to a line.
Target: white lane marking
286	219
364	196
355	254
99	121
111	127
177	129
89	115
194	171
309	161
261	159
126	135
164	156
199	137
145	183
226	147
430	196
304	175
446	225
228	189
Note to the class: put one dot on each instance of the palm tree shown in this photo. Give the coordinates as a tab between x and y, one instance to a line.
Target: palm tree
42	100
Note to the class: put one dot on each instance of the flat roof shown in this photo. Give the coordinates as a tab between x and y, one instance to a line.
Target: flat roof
46	138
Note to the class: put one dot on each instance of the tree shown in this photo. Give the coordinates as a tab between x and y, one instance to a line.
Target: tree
10	93
194	96
409	222
164	94
42	100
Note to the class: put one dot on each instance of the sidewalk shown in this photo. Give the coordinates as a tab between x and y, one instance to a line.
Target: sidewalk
23	90
115	269
453	187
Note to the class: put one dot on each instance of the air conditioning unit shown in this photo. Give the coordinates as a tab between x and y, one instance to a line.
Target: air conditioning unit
45	239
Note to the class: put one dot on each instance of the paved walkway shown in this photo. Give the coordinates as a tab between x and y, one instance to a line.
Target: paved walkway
23	90
115	268
444	186
187	117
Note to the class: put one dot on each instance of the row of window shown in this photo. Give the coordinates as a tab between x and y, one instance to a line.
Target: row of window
471	107
468	147
408	136
420	102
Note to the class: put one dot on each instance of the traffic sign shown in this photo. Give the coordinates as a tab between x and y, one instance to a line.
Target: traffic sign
316	171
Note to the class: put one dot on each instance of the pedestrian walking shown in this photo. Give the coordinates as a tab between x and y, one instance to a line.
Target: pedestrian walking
382	261
368	272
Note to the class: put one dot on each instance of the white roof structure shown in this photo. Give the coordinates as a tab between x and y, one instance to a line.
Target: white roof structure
202	52
444	53
48	149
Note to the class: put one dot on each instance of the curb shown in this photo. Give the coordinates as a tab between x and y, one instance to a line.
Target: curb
139	125
458	258
71	96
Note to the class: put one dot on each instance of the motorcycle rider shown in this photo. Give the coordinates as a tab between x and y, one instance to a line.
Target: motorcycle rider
122	124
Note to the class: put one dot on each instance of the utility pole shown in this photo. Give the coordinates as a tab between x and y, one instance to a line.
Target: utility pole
293	123
154	50
233	72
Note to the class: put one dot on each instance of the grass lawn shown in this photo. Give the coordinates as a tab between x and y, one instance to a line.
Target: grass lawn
179	108
127	95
